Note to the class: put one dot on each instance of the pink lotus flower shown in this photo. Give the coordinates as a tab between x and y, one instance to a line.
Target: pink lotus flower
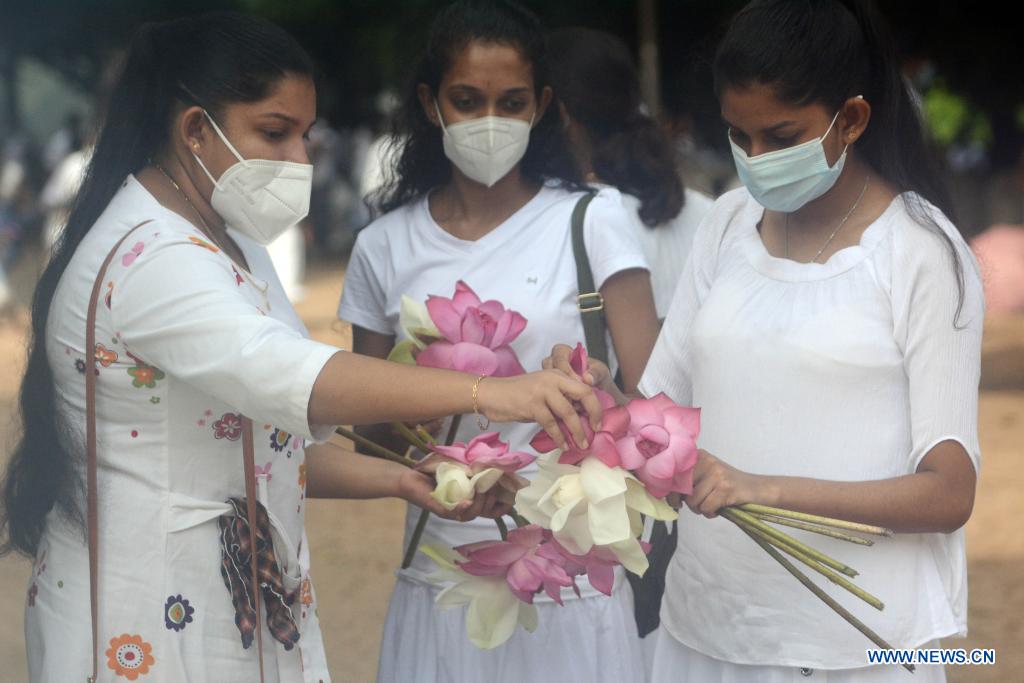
598	564
528	561
486	450
660	447
476	335
614	422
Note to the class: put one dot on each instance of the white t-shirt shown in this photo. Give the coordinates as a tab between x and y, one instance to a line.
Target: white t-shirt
851	370
666	246
526	263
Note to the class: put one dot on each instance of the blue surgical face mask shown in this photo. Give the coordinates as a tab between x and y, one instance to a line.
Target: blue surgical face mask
789	178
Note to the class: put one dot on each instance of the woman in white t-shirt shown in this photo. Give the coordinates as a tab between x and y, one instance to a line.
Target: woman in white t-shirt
500	221
614	142
828	324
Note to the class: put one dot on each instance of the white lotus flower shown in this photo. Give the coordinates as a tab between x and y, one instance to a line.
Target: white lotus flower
592	504
457	482
415	321
494	611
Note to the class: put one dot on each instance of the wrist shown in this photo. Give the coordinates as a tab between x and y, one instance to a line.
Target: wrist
768	491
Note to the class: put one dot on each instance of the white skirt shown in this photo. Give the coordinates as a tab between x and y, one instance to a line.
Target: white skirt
678	663
592	639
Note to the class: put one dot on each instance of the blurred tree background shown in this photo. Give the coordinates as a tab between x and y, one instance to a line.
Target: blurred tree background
56	56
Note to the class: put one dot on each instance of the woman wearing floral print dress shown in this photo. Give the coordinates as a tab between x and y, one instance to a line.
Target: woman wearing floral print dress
193	331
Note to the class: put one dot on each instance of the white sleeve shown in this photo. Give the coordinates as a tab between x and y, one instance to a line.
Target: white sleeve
610	235
668	369
941	348
363	296
177	307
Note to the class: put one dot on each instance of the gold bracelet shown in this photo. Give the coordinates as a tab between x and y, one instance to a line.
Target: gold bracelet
476	408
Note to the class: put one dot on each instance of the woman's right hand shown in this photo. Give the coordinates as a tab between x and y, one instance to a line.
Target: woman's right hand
547	397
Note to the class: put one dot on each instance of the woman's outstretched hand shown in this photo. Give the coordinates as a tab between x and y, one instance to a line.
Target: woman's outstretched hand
546	397
597	375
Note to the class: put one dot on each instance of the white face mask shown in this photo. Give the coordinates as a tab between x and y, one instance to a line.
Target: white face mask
260	198
789	178
487	148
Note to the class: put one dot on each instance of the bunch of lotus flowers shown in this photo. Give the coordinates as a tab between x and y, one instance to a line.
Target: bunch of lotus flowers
583	512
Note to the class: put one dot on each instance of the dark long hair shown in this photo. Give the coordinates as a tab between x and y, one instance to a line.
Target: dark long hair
214	60
827	51
594	76
420	164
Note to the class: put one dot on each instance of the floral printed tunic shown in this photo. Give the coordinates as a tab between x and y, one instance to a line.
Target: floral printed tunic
186	344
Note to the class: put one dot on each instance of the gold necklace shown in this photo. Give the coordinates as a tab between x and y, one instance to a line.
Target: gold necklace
209	233
838	227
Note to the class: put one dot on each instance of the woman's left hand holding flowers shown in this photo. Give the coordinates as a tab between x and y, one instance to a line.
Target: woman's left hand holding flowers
417	487
717	484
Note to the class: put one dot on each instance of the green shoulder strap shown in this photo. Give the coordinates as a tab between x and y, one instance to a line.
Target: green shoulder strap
590	302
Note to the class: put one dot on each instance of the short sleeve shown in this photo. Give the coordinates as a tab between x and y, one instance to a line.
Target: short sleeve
668	369
610	235
939	334
177	307
363	297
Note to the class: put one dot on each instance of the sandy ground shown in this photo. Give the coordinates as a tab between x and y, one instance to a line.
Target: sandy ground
356	545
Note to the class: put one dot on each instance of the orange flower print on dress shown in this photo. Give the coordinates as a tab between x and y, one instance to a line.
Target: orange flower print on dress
302	476
203	243
307	592
105	356
129	656
144	375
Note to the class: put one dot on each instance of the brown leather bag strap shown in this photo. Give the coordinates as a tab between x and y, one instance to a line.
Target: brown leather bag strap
92	514
250	512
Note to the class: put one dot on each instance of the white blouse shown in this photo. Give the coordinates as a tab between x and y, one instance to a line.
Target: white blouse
185	343
850	370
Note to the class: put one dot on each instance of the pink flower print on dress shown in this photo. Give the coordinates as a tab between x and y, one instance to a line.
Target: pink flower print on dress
229	427
130	257
264	471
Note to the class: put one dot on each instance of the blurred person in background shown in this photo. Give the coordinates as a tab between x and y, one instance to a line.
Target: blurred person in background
615	143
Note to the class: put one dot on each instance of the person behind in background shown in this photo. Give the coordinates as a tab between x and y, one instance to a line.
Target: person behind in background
496	216
615	143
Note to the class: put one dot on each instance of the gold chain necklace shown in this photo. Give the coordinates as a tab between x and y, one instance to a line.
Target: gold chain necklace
209	233
838	227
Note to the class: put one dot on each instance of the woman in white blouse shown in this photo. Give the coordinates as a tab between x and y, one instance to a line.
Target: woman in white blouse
200	163
828	324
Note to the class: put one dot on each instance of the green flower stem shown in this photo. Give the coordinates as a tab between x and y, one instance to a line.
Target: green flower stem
791	542
815	519
421	523
426	436
412	437
377	449
810	562
502	529
814	529
519	519
821	594
417	533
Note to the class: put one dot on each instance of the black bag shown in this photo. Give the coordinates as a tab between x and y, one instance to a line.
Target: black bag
648	589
